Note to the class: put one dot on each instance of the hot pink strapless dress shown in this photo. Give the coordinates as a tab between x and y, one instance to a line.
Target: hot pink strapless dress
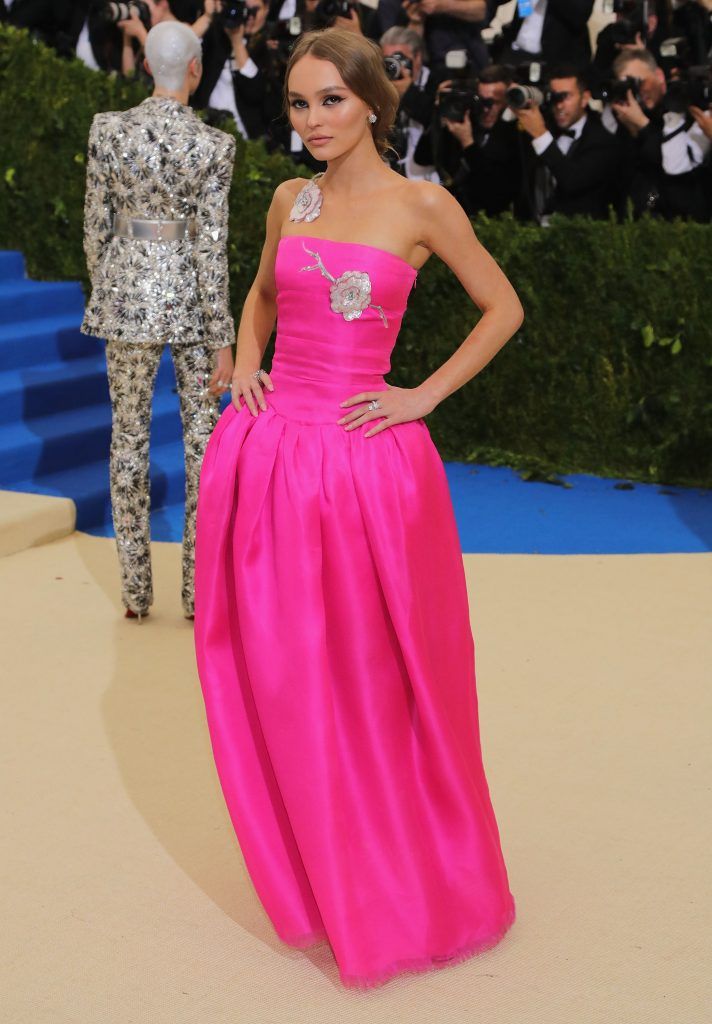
334	646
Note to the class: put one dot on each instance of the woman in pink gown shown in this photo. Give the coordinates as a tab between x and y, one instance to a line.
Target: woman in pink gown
332	623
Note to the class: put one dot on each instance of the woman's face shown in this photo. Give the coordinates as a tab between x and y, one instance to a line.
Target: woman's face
329	117
257	16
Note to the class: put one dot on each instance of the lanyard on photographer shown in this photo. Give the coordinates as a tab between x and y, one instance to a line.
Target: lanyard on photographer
685	126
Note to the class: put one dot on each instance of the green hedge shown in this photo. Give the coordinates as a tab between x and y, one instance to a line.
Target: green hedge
611	372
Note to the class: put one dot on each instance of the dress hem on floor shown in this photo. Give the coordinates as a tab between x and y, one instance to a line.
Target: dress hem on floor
404	967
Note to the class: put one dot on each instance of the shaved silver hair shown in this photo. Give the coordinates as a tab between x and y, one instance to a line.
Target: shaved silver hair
170	47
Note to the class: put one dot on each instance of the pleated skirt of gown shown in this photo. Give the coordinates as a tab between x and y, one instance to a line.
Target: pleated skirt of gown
337	665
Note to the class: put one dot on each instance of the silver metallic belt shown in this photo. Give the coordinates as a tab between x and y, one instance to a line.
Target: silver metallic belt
154	230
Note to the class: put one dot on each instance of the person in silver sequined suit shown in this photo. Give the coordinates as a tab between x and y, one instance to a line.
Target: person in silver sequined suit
155	238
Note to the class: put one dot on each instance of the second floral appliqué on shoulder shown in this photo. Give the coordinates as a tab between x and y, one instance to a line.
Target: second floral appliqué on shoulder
350	293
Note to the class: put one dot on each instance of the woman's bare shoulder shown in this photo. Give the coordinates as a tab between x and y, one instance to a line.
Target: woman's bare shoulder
429	198
283	199
434	212
289	189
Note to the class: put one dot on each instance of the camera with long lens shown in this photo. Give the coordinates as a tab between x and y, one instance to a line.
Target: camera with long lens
693	89
111	13
285	33
528	77
522	97
616	90
461	97
459	100
675	53
395	64
232	14
327	11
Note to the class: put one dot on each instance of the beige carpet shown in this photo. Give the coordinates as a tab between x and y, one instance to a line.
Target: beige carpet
30	519
125	899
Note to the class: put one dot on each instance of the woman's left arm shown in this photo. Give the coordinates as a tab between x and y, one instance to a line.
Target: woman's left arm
447	231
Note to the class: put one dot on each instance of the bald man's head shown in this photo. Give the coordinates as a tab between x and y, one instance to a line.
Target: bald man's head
170	47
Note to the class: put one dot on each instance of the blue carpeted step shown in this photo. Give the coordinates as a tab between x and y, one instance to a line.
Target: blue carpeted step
44	340
55	387
30	392
74	438
88	487
25	300
12	266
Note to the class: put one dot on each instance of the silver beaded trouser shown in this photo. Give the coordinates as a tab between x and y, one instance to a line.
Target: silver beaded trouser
132	369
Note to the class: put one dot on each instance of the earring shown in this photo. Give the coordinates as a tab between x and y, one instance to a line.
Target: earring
371	118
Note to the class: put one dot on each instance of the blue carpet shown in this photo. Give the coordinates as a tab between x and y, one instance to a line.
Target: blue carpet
498	512
55	427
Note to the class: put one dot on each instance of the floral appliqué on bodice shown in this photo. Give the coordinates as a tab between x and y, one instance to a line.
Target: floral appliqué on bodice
350	292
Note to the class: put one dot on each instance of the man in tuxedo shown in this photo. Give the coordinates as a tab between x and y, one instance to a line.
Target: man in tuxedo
554	31
667	150
416	89
488	177
576	162
236	62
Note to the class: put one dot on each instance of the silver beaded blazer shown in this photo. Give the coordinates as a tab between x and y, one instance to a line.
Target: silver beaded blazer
158	161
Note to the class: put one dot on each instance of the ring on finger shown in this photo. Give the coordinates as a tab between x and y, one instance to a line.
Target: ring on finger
373	405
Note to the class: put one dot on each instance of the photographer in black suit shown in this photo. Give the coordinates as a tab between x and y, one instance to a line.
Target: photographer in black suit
639	24
665	144
404	54
236	65
576	162
488	173
555	31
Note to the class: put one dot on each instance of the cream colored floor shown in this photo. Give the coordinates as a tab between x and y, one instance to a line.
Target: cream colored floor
125	899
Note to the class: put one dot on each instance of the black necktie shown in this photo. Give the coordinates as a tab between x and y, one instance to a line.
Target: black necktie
569	133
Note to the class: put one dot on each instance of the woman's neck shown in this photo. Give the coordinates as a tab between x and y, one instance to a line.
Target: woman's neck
354	172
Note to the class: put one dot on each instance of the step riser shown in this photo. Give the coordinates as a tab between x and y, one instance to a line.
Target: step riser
48	367
52	454
28	401
95	509
54	346
27	306
44	399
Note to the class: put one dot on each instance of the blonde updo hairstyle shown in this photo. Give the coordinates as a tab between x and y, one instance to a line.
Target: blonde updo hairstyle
359	61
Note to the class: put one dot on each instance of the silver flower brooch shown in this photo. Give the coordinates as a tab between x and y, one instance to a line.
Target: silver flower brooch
350	293
307	205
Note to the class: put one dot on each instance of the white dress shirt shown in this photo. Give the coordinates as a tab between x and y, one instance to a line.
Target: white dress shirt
414	131
564	142
529	35
685	150
223	95
84	50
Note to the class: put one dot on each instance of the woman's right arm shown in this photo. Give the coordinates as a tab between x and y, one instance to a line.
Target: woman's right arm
204	21
259	312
